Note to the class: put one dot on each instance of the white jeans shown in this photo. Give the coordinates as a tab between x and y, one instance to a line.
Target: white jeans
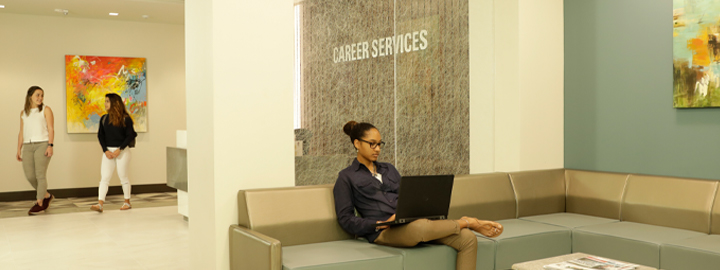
122	163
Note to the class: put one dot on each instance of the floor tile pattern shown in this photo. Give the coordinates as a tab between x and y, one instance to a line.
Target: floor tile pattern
72	205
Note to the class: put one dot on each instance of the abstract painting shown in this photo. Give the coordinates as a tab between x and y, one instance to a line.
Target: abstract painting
696	53
89	78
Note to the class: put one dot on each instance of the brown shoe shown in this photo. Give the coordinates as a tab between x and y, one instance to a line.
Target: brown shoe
46	202
36	209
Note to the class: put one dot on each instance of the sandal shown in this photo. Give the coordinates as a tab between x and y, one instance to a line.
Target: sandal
97	207
125	206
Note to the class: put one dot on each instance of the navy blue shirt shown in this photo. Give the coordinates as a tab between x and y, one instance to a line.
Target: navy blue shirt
357	189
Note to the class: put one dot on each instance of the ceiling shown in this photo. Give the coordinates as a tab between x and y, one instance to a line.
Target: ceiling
158	11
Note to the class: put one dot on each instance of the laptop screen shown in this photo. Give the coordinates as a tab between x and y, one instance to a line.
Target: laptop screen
425	196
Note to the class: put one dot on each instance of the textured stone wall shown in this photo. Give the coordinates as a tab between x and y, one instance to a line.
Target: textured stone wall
418	99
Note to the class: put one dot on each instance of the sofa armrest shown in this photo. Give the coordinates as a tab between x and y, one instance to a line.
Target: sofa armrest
250	250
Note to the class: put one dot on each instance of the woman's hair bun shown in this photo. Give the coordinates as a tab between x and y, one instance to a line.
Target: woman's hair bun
349	126
356	131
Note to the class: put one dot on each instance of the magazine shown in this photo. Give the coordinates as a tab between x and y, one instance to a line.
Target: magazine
590	263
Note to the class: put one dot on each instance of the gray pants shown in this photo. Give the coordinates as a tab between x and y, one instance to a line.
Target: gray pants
35	165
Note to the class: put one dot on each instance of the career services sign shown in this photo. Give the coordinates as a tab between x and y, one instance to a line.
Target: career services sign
402	43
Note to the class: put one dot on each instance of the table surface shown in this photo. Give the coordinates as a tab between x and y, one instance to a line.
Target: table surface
538	264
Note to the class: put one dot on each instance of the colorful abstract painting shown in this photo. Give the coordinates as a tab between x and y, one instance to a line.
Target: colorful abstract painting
89	78
696	53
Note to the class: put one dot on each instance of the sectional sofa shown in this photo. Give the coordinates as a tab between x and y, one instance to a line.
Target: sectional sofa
662	222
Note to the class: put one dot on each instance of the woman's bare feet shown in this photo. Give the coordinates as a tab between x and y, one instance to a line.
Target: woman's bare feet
484	227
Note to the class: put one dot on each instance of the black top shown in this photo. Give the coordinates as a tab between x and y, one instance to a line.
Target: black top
357	189
110	135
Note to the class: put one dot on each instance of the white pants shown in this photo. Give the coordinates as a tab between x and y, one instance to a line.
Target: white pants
122	163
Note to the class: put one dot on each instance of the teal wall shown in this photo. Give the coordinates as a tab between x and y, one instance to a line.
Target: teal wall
619	114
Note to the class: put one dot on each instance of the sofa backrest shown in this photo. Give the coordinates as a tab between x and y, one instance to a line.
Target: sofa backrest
485	196
715	219
667	201
594	193
539	192
293	215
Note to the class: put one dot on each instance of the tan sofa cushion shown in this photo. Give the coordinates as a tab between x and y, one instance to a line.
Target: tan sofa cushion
539	192
293	215
595	193
715	219
485	196
670	202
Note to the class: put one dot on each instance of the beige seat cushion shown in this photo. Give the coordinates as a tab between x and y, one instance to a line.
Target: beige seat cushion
485	196
669	202
539	192
595	193
282	213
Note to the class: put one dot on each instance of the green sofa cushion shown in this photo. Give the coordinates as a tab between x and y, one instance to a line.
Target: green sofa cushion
427	256
524	240
569	220
485	254
341	255
627	241
694	253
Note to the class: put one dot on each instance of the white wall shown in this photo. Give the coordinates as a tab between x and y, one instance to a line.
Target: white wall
507	89
516	85
482	86
32	50
240	113
541	72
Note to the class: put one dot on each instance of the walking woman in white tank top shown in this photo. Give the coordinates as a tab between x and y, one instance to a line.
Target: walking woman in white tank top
35	145
116	134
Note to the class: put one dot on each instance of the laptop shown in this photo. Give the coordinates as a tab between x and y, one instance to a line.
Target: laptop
422	197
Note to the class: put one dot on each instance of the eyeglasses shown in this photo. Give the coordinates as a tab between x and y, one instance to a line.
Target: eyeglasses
372	144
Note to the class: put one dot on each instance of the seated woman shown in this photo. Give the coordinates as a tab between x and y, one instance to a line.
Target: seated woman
371	188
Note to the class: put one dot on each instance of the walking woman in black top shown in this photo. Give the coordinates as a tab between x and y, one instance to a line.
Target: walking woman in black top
115	134
358	188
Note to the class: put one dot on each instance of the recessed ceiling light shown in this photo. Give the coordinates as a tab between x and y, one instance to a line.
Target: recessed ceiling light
114	14
2	6
145	16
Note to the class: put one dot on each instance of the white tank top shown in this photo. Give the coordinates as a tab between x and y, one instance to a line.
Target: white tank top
34	127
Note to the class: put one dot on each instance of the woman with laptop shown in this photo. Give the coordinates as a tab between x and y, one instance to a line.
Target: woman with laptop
371	188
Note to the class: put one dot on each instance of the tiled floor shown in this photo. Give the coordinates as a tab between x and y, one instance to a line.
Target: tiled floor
140	238
72	205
